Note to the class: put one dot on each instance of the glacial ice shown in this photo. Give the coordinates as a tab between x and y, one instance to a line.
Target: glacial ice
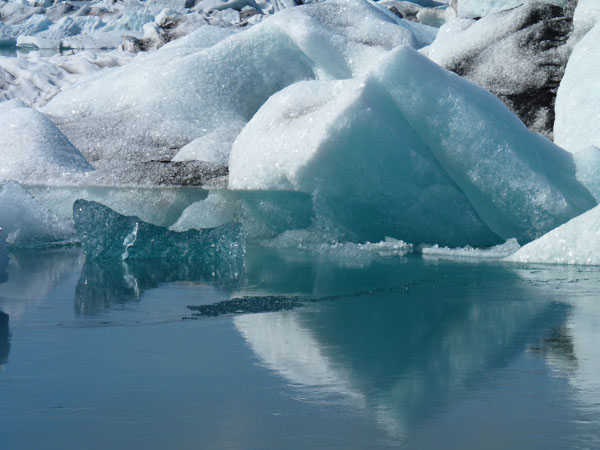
502	53
105	234
587	163
264	214
3	256
32	148
577	122
468	252
140	113
575	242
466	150
587	14
26	222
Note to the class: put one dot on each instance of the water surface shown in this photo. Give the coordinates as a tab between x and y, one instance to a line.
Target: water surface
376	353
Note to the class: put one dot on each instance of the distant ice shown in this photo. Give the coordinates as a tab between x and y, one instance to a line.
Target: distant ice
481	8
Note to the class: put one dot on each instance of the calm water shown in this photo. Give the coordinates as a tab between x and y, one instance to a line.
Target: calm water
396	352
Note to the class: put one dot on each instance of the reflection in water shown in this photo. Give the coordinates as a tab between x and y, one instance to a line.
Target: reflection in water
401	355
103	284
33	274
4	338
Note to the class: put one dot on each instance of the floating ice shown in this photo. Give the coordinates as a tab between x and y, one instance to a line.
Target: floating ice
105	234
399	152
496	252
577	123
263	214
28	223
32	148
575	242
3	257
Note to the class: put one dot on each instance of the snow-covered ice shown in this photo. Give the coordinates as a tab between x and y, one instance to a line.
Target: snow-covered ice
32	148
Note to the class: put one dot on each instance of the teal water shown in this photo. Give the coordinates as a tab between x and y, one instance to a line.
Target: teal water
374	352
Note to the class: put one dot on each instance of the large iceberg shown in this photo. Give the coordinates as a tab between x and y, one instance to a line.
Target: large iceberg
575	242
140	113
32	148
105	234
410	151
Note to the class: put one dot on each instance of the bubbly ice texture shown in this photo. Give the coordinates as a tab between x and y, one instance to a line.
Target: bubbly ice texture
107	235
577	124
26	222
140	113
481	8
410	151
575	242
32	148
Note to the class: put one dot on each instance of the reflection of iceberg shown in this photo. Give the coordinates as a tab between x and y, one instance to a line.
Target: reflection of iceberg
103	284
4	342
403	354
35	273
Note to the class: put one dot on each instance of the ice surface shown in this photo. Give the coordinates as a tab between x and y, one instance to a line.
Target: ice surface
3	257
138	112
496	252
588	169
26	222
340	142
105	234
348	143
263	214
480	8
577	123
157	205
587	14
575	242
32	148
518	55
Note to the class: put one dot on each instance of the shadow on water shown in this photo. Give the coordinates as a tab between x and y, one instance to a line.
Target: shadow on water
104	284
4	338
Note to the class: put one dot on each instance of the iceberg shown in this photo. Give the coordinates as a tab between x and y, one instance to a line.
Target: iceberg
575	242
3	257
26	222
413	152
32	148
588	169
139	113
107	235
587	14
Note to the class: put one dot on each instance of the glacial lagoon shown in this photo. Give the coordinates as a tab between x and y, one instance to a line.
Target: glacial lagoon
358	350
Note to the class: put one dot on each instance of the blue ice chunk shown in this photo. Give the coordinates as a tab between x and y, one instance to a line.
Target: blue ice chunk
108	235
